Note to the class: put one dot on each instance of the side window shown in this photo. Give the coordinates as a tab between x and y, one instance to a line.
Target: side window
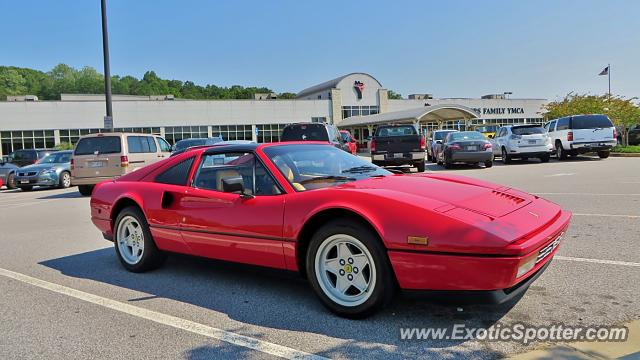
552	126
164	145
563	124
134	145
153	148
546	126
503	132
177	174
215	169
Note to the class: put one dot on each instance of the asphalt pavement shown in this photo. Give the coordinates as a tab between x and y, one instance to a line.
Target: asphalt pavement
63	293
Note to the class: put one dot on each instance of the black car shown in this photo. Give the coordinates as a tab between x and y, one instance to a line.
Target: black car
634	135
26	157
314	132
394	145
469	147
185	144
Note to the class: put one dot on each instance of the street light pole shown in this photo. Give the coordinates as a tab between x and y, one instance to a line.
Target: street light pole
108	119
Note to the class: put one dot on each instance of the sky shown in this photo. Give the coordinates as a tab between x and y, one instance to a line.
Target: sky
534	49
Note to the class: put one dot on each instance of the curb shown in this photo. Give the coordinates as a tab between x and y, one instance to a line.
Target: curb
625	154
629	349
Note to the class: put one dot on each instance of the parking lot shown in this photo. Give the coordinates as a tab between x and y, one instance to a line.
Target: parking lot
65	295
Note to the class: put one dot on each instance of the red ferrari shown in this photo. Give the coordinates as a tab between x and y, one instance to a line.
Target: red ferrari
356	231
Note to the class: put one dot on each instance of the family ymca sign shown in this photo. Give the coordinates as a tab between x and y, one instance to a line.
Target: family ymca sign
499	110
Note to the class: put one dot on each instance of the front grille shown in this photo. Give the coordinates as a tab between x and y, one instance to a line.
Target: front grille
545	251
30	173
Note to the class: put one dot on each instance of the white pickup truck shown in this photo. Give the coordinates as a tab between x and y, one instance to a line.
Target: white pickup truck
580	134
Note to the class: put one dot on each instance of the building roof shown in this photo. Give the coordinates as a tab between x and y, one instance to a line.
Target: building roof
330	85
439	113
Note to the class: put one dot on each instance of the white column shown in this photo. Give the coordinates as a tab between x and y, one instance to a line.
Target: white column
254	134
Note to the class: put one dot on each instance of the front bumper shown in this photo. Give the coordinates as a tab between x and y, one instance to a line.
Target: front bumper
37	180
471	156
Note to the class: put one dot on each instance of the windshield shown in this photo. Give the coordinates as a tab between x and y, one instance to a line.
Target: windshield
309	167
440	135
590	122
309	132
396	131
345	137
183	144
466	135
56	158
487	128
98	144
527	130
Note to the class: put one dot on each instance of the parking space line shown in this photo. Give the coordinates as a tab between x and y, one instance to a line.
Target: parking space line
21	204
609	215
598	261
164	319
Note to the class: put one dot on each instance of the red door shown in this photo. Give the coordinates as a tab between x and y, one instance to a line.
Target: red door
230	227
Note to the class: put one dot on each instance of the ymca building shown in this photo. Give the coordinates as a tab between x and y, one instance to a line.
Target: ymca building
356	102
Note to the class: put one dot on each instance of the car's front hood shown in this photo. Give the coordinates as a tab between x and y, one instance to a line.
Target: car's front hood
478	196
37	167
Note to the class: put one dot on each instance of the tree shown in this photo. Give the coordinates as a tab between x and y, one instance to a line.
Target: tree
394	95
622	111
286	96
11	83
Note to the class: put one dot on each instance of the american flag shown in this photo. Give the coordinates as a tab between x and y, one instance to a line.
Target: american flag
605	71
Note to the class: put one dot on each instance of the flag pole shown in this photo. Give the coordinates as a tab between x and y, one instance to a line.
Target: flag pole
609	76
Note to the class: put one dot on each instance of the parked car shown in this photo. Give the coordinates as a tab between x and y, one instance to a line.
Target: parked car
394	145
7	172
26	157
488	130
522	142
357	231
52	170
184	144
581	134
634	135
435	141
469	147
350	141
99	157
314	132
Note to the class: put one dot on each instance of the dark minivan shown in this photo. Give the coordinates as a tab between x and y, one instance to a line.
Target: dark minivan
314	132
26	157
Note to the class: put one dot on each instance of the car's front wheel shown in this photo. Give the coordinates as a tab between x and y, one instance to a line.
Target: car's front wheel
505	157
11	183
349	269
603	154
133	242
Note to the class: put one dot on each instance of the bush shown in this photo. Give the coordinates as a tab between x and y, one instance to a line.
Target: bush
626	149
64	146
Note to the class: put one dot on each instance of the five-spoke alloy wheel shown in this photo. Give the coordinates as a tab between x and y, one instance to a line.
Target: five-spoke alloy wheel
133	242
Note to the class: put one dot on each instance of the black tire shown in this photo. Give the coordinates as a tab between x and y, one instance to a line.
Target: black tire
545	158
11	183
385	286
603	154
561	153
65	180
488	163
421	166
505	157
26	188
429	157
85	190
152	257
447	164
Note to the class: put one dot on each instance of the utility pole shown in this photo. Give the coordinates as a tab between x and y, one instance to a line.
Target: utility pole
108	119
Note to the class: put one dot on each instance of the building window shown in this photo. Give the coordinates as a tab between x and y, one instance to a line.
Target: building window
232	132
27	139
349	111
269	132
173	134
318	119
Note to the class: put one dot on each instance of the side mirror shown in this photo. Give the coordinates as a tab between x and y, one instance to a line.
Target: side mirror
233	185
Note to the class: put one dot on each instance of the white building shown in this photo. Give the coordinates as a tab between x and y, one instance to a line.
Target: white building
347	101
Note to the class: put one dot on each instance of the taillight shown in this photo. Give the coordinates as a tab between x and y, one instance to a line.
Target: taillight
373	145
487	145
124	161
570	136
455	147
71	165
423	143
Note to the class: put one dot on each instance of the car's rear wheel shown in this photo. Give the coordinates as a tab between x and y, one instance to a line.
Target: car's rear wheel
488	163
505	157
349	269
85	190
420	166
65	180
11	183
133	242
560	151
603	154
545	158
26	188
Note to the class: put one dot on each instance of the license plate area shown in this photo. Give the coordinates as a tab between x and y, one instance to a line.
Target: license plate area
471	148
532	141
398	155
24	181
95	164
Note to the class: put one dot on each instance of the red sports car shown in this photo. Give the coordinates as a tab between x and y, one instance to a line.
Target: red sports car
357	231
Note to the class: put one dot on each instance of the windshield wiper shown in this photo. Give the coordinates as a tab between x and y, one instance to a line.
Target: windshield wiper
360	169
328	177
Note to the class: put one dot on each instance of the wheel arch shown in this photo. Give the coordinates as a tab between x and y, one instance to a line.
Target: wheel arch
318	219
121	203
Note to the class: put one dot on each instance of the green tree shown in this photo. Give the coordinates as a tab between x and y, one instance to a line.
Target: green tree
11	83
286	96
394	95
622	111
64	146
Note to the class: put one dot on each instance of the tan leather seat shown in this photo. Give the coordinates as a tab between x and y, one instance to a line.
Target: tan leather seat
286	170
225	174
